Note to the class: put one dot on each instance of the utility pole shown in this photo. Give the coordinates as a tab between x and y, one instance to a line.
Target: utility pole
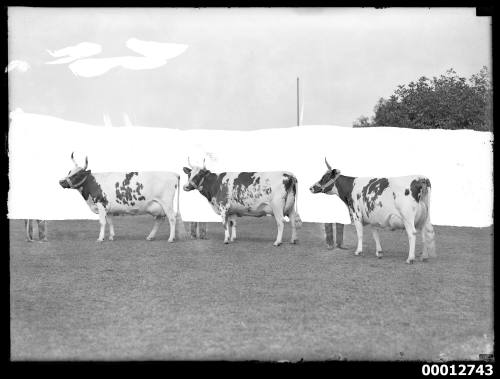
298	105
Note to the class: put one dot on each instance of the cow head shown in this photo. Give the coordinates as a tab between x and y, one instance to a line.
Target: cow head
196	176
327	182
76	177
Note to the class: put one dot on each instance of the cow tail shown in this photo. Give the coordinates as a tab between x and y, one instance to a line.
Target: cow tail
428	229
178	194
294	189
180	231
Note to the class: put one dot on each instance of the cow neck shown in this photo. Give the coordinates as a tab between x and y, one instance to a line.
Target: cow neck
344	186
208	188
91	188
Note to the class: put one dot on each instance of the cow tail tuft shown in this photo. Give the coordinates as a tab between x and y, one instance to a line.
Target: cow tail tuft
428	232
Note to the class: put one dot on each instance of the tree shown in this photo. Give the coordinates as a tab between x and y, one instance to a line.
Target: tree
447	102
361	122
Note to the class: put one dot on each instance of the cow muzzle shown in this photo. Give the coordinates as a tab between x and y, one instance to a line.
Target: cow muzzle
315	189
187	187
64	183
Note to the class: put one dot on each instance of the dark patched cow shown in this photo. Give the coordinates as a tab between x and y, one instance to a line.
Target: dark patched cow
392	203
117	193
236	194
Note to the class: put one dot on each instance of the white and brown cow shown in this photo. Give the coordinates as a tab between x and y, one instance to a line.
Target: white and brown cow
393	203
236	194
118	193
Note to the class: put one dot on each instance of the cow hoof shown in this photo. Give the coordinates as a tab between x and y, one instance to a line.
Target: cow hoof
360	253
379	254
100	240
410	261
295	241
171	240
29	240
423	259
111	238
226	242
276	244
150	238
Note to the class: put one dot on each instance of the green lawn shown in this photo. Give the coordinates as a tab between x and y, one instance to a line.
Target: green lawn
73	298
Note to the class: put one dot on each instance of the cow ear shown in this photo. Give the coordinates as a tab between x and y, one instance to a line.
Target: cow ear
186	170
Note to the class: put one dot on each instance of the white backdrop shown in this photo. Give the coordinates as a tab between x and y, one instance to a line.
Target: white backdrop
459	163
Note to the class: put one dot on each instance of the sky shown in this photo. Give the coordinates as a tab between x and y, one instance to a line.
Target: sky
231	68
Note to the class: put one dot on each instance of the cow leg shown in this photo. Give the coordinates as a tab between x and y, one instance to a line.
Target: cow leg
359	232
168	211
225	222
378	248
102	221
158	221
226	231
428	241
111	227
171	221
232	223
278	215
411	231
294	228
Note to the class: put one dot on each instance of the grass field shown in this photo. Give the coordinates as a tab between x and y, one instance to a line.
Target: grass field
75	299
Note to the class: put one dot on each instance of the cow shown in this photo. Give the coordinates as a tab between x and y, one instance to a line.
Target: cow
120	193
236	194
392	203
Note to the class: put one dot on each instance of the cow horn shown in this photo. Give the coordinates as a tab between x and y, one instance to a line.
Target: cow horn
86	163
73	159
189	163
204	163
327	165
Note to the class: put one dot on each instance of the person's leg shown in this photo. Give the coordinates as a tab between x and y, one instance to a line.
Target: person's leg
42	230
28	228
202	230
339	235
193	229
329	235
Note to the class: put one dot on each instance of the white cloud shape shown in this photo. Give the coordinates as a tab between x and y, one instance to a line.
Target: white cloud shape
160	50
155	54
72	53
18	65
97	66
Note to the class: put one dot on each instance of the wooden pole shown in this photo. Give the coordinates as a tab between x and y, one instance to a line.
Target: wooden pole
298	107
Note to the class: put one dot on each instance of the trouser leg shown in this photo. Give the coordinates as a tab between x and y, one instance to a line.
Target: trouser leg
28	227
339	234
42	230
202	230
193	229
329	235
